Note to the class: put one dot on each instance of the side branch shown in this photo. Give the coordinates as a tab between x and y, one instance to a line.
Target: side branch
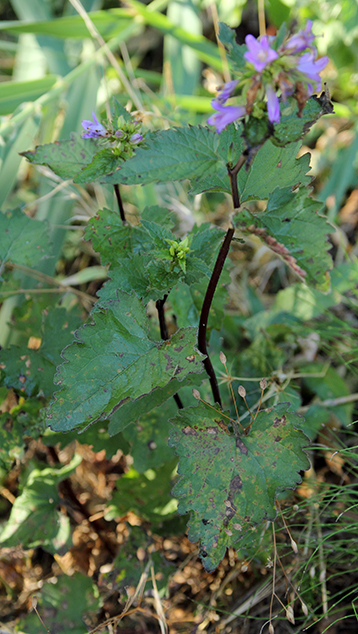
120	204
206	309
165	335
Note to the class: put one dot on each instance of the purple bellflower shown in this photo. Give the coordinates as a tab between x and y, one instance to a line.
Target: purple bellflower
136	138
311	68
260	54
226	91
271	76
301	40
273	104
93	129
225	115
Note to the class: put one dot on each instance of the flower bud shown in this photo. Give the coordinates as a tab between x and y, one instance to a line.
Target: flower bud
222	358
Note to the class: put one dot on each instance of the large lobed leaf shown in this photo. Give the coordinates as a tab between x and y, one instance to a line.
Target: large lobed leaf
23	240
65	158
176	154
292	227
35	519
115	361
202	156
230	482
29	370
195	152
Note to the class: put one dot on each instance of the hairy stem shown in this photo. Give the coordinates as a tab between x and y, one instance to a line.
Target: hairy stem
165	335
120	204
219	264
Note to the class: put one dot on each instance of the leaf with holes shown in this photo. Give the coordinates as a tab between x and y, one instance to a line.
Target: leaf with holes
229	482
292	228
115	361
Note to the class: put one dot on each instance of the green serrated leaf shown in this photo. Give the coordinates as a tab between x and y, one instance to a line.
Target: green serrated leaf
230	483
273	167
128	567
328	386
140	255
64	604
103	163
65	158
11	441
35	519
291	127
149	436
110	237
117	110
146	494
114	361
187	302
24	240
131	411
150	277
176	154
29	370
235	51
292	227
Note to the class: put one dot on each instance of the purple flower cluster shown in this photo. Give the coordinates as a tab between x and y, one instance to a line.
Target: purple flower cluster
95	130
271	75
260	54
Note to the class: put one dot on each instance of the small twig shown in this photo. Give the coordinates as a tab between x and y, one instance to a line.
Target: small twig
261	16
110	56
331	402
34	607
120	204
322	565
223	361
271	629
165	336
42	277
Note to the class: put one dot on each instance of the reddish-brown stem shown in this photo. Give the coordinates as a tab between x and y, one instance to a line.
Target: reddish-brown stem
219	264
203	323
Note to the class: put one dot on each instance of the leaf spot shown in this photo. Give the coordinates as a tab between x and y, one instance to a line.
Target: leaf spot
189	431
279	421
240	445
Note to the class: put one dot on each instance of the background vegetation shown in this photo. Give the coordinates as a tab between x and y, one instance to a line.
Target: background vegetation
88	526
